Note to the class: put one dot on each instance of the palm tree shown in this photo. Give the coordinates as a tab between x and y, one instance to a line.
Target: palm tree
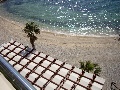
31	29
88	66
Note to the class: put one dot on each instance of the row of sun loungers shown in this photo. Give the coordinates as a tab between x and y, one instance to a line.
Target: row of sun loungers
45	72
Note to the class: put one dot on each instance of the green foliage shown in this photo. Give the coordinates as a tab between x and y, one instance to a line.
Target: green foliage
88	66
31	29
97	71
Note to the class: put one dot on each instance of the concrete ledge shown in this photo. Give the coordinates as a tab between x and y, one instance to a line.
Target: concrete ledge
5	84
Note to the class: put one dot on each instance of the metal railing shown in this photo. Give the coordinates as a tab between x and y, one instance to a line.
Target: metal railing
14	77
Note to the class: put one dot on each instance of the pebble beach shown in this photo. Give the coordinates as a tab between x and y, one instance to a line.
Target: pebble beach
71	49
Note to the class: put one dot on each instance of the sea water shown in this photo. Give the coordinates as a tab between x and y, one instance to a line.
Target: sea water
76	17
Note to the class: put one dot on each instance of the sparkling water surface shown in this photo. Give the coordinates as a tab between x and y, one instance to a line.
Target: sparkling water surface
78	17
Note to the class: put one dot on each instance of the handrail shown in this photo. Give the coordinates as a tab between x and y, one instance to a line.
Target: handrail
25	85
113	85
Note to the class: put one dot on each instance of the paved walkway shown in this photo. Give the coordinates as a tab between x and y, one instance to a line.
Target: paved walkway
5	84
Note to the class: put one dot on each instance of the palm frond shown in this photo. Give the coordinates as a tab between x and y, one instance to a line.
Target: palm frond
88	66
97	71
95	65
82	66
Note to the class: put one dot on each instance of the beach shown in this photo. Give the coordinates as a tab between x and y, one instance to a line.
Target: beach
71	49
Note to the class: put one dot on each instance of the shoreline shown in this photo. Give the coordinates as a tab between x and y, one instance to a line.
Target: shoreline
8	18
71	49
21	25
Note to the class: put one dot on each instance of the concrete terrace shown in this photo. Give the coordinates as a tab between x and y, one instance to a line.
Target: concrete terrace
5	84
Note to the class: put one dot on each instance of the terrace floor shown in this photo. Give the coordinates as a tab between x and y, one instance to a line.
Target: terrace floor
5	84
